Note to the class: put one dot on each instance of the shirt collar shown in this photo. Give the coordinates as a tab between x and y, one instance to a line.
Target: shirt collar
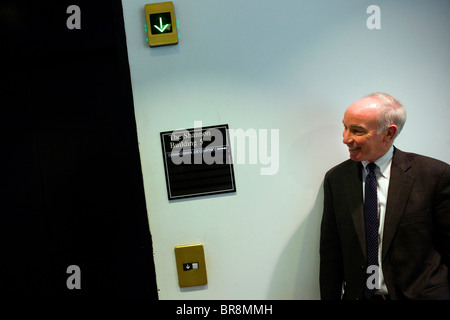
383	163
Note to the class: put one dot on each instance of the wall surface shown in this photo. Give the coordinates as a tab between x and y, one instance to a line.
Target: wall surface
288	65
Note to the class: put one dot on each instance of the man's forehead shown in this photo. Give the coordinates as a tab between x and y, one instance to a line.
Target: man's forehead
361	116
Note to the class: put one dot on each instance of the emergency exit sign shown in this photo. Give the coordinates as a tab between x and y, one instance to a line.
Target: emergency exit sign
161	26
160	23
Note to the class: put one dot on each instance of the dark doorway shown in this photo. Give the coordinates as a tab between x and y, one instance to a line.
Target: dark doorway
72	190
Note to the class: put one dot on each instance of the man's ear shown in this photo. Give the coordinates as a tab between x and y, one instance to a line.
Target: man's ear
391	132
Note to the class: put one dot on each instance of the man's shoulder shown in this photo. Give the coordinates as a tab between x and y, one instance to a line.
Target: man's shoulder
342	169
418	159
400	158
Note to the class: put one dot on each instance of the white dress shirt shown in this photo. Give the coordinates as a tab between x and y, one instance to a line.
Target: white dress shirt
383	173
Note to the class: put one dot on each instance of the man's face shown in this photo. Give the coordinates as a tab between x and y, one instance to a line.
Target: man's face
360	131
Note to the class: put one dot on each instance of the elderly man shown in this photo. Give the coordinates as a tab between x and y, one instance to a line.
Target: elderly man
385	230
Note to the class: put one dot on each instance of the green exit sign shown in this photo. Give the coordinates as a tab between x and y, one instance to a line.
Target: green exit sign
161	22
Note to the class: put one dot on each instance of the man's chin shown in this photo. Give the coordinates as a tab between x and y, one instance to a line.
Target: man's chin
355	154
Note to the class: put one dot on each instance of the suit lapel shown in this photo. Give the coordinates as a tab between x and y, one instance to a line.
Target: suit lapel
355	200
400	185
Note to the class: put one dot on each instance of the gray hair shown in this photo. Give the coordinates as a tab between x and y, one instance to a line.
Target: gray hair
391	112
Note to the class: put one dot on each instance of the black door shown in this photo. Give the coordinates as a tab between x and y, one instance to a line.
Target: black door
72	191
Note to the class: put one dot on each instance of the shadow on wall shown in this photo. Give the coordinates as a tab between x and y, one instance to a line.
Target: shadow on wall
296	275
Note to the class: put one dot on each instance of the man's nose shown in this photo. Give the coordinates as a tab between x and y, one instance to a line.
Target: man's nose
347	137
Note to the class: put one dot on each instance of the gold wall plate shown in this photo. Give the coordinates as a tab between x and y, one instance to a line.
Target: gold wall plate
191	265
161	24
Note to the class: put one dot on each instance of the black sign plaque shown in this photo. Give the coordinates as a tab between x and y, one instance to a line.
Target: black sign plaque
197	162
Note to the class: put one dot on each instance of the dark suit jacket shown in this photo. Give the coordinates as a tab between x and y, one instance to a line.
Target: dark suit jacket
416	241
